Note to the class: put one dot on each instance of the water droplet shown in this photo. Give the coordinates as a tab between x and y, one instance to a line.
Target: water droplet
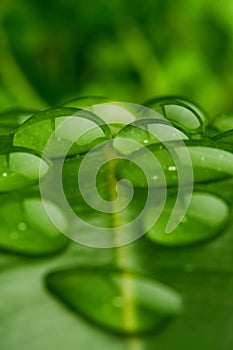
22	226
210	163
157	164
14	235
146	132
133	303
68	125
28	231
20	169
206	217
180	112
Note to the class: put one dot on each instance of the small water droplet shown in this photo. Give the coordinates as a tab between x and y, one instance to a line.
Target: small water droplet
155	177
4	174
22	226
145	141
14	235
206	218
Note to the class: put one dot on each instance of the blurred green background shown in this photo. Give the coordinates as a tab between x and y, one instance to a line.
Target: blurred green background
52	51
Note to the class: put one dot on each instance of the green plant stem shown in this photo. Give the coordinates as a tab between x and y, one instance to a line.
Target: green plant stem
128	313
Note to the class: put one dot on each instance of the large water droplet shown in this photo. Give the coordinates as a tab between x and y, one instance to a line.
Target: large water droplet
26	228
210	163
144	133
150	175
179	111
206	217
122	302
69	124
19	169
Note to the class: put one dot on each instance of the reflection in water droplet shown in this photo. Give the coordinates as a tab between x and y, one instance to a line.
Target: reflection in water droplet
133	303
4	174
172	168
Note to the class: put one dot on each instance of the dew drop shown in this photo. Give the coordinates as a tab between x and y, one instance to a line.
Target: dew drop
20	169
180	112
22	226
207	216
26	229
67	125
14	235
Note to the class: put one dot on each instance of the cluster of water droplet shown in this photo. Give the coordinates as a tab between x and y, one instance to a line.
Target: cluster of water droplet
26	228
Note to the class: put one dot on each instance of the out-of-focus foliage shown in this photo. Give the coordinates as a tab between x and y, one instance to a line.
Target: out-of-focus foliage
128	50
